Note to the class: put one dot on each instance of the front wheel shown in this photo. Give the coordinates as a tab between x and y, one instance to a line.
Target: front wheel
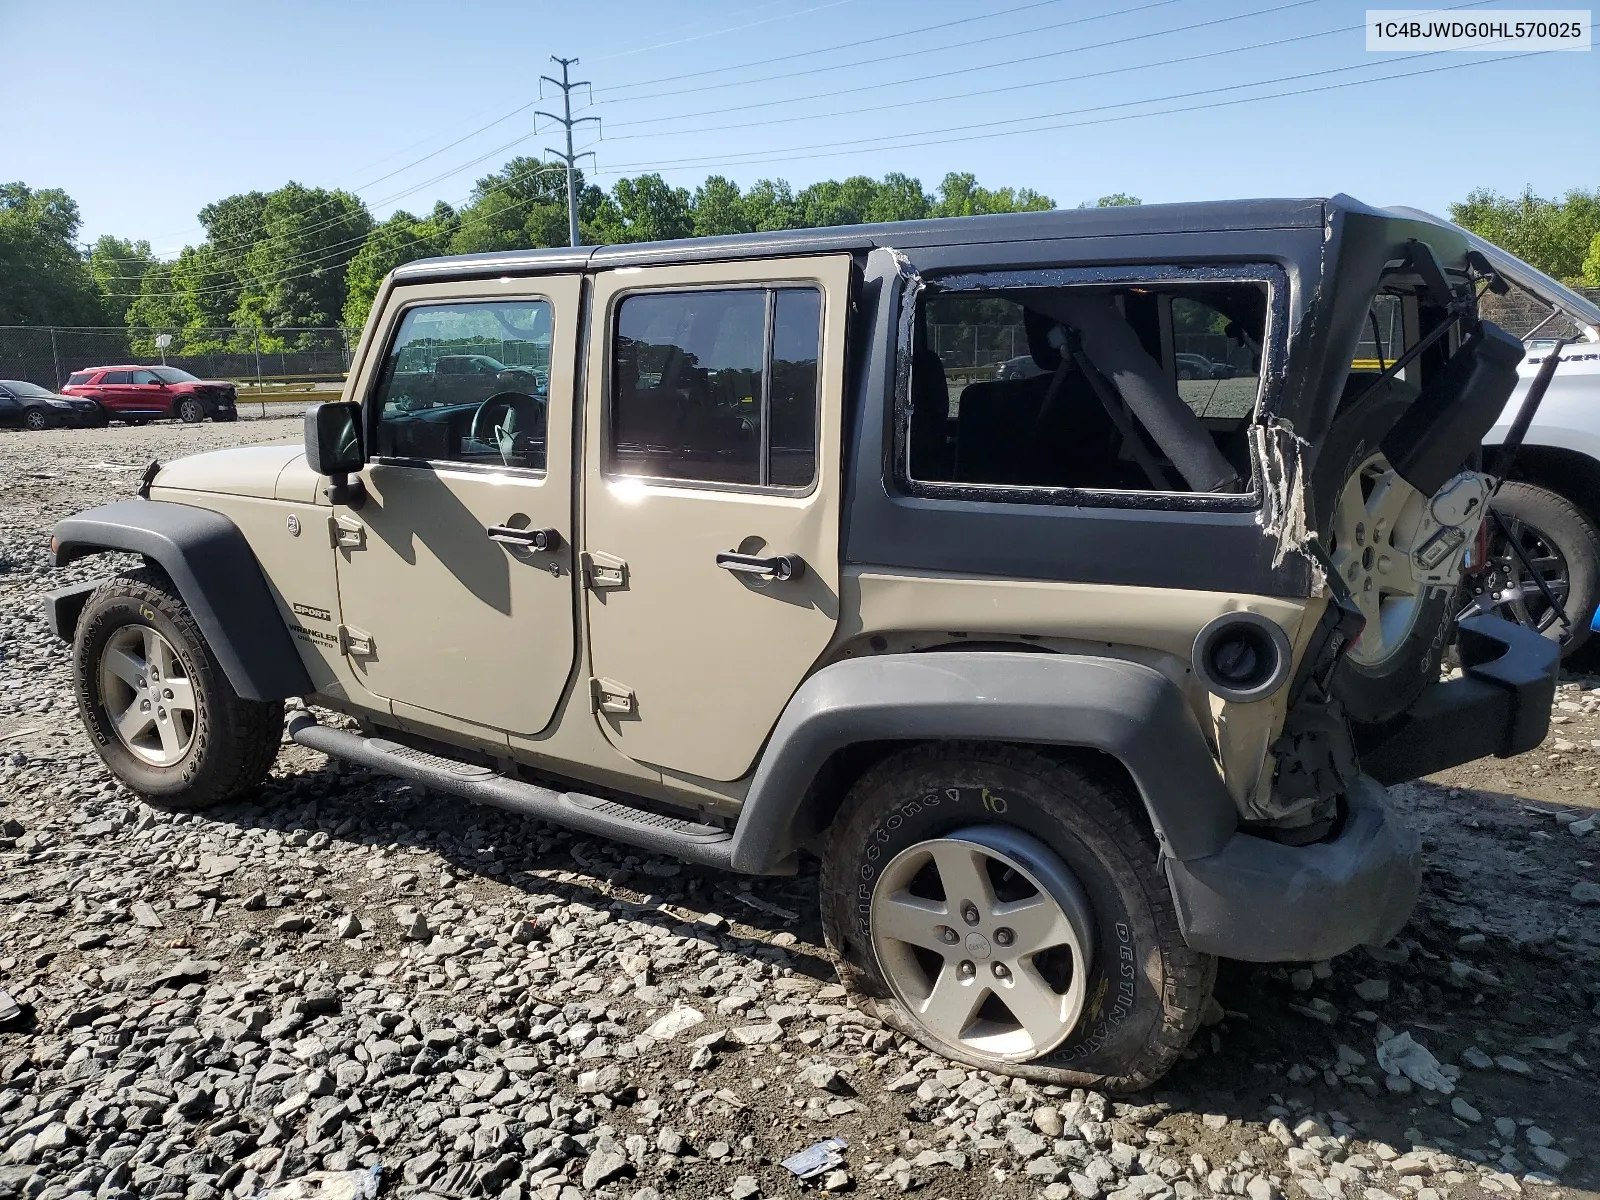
156	703
191	412
35	420
1008	910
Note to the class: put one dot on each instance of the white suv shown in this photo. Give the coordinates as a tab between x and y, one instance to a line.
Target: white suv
1550	509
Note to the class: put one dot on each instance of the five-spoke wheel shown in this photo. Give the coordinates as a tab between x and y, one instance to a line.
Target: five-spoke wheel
987	938
148	696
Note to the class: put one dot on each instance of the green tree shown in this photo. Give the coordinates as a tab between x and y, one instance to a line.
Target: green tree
118	268
771	205
900	198
294	273
960	196
1115	200
401	239
719	208
1591	263
647	209
1553	235
44	280
520	207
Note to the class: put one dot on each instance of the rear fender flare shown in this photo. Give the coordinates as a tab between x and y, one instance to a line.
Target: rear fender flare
216	573
1122	708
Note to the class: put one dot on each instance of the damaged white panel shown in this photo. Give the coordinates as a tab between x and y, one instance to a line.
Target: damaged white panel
1282	454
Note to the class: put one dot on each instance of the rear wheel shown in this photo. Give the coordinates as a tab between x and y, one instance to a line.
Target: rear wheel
161	712
1007	910
191	411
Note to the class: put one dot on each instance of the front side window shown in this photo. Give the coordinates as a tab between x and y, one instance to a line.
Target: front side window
716	386
144	377
467	382
173	375
1138	387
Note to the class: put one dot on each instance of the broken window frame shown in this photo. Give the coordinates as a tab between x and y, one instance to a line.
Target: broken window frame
1274	355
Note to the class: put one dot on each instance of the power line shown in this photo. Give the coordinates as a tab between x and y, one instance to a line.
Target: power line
566	120
730	29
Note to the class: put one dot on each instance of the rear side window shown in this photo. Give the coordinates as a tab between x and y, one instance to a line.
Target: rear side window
467	383
79	377
115	377
717	387
1031	388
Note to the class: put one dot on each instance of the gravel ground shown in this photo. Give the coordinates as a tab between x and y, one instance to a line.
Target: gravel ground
351	971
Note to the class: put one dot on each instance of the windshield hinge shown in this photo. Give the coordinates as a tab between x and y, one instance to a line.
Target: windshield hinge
601	570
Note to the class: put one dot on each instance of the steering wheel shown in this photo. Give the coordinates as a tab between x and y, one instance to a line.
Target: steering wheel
508	416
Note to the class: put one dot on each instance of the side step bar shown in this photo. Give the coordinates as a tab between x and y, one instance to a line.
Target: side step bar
707	845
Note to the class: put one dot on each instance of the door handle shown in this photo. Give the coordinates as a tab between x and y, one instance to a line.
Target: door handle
780	566
528	539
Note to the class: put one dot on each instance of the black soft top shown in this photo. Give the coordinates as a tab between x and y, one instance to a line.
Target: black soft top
1101	224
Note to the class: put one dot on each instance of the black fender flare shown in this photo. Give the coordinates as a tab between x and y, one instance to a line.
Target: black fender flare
216	573
1125	709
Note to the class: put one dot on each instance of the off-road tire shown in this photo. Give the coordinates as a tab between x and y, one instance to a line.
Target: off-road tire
35	420
1146	987
190	411
1375	693
1562	524
235	740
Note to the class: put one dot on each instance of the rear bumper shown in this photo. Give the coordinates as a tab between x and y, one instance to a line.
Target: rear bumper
1499	706
1264	902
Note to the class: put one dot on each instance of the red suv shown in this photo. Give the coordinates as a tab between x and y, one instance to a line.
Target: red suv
135	395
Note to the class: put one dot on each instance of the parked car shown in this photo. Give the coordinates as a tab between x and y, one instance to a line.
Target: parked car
29	406
1070	691
1549	510
1198	366
136	395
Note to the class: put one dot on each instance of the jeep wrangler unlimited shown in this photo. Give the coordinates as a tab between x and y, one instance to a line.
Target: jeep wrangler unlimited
1074	679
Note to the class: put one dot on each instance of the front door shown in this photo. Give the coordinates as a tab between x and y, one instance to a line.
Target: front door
456	573
712	470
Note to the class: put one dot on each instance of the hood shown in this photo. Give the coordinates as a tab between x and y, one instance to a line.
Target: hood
1584	313
190	384
246	471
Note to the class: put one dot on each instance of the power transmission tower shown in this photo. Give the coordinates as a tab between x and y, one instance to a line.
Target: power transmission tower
567	121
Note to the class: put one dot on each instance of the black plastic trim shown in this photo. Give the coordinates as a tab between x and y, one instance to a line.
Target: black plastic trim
64	606
1125	709
1261	901
708	845
217	575
1500	706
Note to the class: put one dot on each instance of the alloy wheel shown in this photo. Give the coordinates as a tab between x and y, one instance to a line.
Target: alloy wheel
1516	593
986	937
36	420
1374	528
147	695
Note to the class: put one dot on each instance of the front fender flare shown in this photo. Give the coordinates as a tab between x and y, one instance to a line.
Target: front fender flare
217	575
1122	708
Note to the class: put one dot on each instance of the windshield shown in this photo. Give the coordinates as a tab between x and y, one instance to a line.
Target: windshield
18	388
173	375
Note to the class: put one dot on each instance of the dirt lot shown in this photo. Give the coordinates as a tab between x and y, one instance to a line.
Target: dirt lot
352	971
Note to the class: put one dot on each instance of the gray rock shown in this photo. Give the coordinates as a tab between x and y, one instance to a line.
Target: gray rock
745	1187
1586	892
1373	990
1465	1111
607	1161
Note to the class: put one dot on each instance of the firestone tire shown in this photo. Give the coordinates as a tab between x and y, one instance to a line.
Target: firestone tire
233	741
1145	987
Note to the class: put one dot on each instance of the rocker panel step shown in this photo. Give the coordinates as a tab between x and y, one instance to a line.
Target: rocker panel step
688	840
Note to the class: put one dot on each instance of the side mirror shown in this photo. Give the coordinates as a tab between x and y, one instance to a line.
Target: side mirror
333	448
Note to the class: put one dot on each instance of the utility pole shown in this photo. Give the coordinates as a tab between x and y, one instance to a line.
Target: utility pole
567	121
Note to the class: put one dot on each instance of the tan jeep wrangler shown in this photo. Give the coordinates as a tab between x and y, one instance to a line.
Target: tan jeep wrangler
1053	578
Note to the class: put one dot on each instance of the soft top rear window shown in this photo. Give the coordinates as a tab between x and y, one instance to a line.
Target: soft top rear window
1048	381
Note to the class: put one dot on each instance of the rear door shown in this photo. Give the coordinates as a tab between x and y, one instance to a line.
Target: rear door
712	468
450	611
114	392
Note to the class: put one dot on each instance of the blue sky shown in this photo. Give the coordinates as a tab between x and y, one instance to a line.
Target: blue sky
146	112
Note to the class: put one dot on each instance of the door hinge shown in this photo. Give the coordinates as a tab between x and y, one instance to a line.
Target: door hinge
345	532
355	642
612	697
601	570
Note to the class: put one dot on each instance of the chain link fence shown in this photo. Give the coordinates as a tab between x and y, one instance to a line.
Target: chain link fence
48	354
